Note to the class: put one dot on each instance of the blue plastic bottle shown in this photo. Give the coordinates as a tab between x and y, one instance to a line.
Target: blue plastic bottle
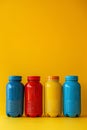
71	97
14	97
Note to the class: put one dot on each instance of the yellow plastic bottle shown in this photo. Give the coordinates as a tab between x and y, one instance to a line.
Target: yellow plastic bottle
53	97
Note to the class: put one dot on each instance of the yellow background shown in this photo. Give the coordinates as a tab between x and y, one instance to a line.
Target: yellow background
43	37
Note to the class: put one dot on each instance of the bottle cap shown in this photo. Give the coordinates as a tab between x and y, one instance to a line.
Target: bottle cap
53	77
73	78
15	78
35	78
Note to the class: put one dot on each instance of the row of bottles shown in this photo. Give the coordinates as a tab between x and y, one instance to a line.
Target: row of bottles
57	98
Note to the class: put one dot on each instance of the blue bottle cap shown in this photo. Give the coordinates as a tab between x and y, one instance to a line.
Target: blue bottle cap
75	78
15	78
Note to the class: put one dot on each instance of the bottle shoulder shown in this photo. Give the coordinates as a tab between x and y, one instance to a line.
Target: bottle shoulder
52	83
31	84
71	83
13	84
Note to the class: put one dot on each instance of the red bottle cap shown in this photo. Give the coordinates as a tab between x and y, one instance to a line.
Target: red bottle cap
35	78
53	77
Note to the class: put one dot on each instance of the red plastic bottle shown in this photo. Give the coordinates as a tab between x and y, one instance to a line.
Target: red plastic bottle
33	97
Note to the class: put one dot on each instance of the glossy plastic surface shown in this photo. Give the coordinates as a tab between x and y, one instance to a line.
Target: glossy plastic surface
14	97
33	98
71	97
53	97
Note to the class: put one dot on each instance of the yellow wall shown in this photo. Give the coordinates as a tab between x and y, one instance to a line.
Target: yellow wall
43	37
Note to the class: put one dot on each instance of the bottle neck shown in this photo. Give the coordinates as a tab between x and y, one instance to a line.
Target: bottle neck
33	80
55	80
71	80
14	80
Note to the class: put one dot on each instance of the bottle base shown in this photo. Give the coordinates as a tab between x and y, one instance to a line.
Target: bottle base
33	115
72	116
14	116
49	115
